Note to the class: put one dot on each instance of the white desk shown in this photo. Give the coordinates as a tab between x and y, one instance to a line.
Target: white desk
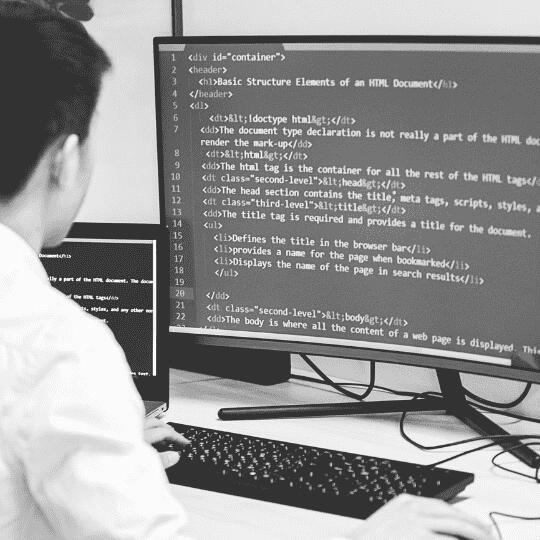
196	398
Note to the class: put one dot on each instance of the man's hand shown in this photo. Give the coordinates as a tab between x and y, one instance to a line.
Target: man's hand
160	435
417	518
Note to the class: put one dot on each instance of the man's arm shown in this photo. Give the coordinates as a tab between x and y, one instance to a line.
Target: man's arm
81	442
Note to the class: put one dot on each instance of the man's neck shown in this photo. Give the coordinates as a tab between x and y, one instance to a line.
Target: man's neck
24	221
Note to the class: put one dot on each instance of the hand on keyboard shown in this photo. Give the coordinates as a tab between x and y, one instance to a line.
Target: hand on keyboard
408	517
165	440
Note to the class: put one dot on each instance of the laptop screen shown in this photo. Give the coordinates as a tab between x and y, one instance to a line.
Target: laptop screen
111	271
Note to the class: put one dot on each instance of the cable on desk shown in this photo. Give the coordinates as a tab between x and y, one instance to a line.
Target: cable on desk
455	443
417	394
524	518
536	476
360	385
336	386
493	438
484	446
505	413
498	404
497	438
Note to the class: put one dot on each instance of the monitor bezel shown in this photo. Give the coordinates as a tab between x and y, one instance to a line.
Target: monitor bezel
185	340
151	388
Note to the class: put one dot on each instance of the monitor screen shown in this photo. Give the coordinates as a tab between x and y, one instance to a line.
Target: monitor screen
363	197
111	271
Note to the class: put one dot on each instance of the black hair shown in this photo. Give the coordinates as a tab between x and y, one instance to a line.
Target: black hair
50	79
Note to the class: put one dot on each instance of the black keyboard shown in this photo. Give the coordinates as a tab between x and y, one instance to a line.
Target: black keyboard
304	476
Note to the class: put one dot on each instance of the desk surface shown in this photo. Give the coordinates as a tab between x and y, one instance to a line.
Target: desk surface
196	398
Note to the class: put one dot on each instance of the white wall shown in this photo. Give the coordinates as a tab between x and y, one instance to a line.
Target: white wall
125	181
452	17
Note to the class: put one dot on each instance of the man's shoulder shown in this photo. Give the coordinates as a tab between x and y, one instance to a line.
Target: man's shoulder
60	342
59	330
48	316
79	346
32	310
71	325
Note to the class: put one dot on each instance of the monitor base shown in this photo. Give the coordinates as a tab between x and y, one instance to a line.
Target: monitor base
248	365
452	401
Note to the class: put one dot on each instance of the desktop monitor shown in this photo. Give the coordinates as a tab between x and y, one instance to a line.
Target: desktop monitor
364	197
374	198
114	272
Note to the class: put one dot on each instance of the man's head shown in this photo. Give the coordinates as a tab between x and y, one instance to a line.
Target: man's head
50	79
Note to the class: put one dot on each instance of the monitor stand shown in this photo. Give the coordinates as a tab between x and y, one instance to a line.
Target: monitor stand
269	367
452	401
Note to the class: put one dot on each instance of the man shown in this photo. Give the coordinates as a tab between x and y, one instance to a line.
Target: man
72	465
73	459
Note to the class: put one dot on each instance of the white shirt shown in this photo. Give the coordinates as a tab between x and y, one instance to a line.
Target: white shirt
73	462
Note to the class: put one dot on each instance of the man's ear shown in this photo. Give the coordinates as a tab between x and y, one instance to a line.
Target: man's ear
66	163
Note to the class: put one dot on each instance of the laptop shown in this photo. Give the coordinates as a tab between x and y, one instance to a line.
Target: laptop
119	273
